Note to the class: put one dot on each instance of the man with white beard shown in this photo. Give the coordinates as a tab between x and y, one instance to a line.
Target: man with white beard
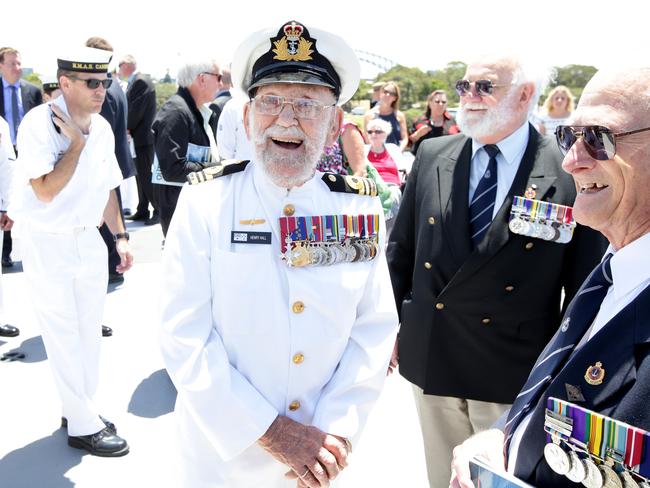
478	298
277	313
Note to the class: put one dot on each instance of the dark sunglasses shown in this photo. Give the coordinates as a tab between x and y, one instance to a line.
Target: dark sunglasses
213	74
599	141
375	131
93	83
483	87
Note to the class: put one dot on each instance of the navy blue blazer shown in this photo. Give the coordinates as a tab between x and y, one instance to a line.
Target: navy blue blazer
114	110
623	348
29	93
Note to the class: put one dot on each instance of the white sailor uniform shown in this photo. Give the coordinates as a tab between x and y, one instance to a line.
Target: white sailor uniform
245	337
64	255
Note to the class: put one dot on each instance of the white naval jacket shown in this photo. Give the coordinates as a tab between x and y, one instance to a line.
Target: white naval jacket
230	336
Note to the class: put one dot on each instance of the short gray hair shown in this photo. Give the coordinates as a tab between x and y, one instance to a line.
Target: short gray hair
188	72
381	124
525	70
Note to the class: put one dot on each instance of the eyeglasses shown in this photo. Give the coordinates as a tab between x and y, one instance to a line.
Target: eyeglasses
375	131
303	108
599	141
212	74
388	92
93	83
440	102
483	87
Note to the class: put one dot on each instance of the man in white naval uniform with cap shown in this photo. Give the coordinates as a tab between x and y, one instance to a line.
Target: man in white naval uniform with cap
67	172
277	317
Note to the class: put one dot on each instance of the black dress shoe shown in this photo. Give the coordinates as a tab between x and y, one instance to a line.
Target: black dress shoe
109	425
114	278
155	219
138	216
106	331
7	262
8	331
104	443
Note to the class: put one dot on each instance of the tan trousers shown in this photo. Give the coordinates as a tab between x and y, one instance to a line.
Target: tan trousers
447	422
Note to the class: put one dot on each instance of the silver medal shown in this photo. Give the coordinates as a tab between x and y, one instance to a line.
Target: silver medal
578	471
557	459
594	478
610	478
628	481
518	226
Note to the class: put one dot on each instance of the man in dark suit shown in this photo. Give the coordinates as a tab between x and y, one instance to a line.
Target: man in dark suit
16	99
224	94
114	110
478	302
141	97
606	368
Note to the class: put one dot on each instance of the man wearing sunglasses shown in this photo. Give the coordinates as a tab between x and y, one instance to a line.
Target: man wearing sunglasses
478	302
184	134
607	151
277	361
67	175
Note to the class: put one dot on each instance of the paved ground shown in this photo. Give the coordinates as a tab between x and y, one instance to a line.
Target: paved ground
136	393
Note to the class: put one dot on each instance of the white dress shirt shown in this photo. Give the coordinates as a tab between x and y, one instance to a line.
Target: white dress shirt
631	275
511	150
231	135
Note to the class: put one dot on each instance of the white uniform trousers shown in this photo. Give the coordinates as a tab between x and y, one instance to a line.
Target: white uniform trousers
67	277
446	422
2	300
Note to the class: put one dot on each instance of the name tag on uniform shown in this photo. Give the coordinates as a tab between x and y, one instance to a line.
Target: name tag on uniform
244	237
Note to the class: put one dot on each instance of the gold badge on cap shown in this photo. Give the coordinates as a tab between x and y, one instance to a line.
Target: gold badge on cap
595	374
292	47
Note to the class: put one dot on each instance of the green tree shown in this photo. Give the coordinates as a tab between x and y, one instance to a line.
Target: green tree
573	76
163	92
453	72
34	79
415	85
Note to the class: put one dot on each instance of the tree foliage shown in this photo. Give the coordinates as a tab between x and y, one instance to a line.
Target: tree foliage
163	92
34	79
573	76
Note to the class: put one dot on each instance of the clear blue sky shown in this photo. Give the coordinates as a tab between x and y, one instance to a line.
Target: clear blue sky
427	34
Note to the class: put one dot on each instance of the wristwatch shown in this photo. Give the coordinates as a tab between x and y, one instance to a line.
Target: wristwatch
121	235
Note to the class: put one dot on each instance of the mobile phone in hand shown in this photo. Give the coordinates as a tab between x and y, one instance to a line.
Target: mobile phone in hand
53	115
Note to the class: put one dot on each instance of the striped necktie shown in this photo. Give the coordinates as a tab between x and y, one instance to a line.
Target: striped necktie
14	111
482	205
579	315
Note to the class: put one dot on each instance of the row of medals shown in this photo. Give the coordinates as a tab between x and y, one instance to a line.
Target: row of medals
548	226
588	469
310	253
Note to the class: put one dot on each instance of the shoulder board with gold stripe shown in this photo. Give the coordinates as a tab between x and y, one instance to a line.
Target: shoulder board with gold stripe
227	167
350	184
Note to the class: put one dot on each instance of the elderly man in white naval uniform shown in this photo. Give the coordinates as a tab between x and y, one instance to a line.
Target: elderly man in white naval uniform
277	321
67	172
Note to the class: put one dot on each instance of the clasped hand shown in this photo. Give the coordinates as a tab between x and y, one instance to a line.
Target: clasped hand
315	457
